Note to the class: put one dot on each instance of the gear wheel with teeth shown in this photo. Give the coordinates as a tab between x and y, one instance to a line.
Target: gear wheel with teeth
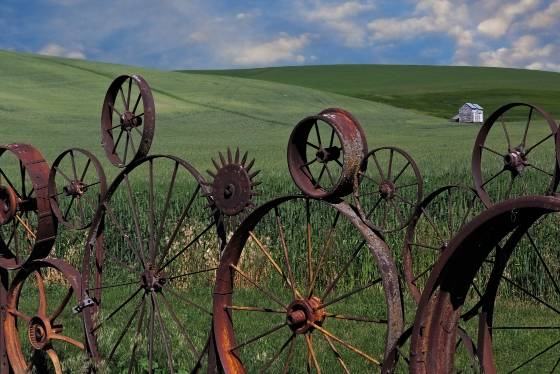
232	187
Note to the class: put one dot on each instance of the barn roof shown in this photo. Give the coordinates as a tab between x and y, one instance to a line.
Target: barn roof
474	106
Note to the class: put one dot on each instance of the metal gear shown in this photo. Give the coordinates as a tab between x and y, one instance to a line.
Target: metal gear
232	187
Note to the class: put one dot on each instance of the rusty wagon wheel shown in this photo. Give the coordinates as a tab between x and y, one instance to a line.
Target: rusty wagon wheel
77	184
305	284
324	153
232	188
515	154
435	222
387	193
497	277
150	266
43	328
27	225
127	120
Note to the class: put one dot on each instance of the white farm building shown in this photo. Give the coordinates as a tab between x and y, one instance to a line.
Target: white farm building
471	113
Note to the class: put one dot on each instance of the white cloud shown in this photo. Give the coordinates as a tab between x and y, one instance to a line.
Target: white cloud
497	26
525	52
53	49
547	17
285	48
340	18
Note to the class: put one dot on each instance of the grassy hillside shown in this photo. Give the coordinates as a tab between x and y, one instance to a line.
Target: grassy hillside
55	103
434	90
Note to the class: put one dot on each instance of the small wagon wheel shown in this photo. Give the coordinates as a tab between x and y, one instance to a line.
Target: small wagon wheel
232	188
435	222
515	154
150	265
387	193
42	327
477	282
336	305
127	120
81	185
324	153
27	225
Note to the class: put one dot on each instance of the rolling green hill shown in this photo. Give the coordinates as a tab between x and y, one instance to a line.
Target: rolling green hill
55	103
434	90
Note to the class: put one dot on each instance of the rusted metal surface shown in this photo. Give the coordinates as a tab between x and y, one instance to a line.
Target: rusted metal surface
127	120
77	184
233	182
168	240
387	193
325	152
440	308
30	219
46	337
307	309
512	153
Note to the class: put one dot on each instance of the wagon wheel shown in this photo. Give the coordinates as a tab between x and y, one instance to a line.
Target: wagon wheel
81	185
387	193
127	120
27	225
232	188
435	222
303	283
324	153
497	277
43	330
150	265
515	154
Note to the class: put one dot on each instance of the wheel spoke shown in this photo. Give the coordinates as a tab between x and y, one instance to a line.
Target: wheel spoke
401	171
538	143
309	243
390	166
188	301
54	359
491	150
318	182
185	248
331	142
128	93
126	146
378	166
267	254
530	294
312	145
259	337
356	318
432	223
503	123
19	314
348	294
10	183
334	282
277	354
42	310
331	178
524	141
336	354
535	356
311	352
282	237
127	326
135	219
125	235
164	333
346	344
324	253
541	258
289	357
192	273
118	309
117	142
136	338
123	98
68	340
151	208
255	309
62	305
166	204
539	169
180	326
318	135
264	291
136	104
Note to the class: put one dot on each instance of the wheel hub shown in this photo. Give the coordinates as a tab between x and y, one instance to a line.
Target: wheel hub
75	188
387	190
515	161
129	120
152	280
37	331
8	204
302	314
324	155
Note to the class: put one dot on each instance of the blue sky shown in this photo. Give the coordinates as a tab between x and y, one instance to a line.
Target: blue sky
174	34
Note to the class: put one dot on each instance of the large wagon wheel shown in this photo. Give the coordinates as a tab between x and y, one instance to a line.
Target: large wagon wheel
303	283
387	193
324	153
43	328
127	120
435	222
150	265
27	225
478	281
515	154
77	184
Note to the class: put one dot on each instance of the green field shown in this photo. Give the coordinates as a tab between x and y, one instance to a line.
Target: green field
55	104
433	90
